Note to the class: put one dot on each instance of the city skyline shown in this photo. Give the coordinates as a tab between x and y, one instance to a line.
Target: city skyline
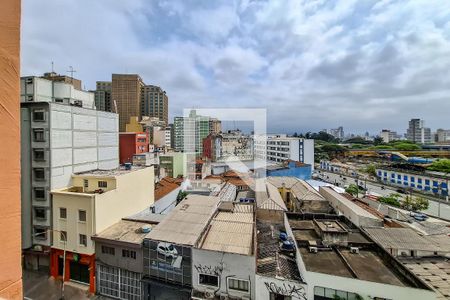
372	64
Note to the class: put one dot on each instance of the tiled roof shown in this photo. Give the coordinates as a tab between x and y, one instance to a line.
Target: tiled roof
164	187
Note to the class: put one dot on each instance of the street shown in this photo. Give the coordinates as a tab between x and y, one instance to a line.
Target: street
435	209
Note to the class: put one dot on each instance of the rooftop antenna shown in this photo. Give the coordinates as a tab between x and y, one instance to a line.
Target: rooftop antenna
71	71
53	65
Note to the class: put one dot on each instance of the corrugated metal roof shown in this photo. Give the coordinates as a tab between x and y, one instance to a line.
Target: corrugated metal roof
406	238
185	223
231	231
300	188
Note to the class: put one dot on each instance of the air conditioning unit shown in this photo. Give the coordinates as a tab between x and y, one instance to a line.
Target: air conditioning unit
30	98
354	250
313	250
403	253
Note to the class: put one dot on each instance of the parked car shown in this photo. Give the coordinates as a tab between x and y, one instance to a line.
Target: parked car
419	216
167	249
401	191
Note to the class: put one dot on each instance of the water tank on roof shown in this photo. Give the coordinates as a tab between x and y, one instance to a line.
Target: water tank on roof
287	246
283	236
127	166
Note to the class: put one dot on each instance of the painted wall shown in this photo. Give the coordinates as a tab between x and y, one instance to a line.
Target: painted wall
224	265
366	289
116	260
134	192
267	285
10	215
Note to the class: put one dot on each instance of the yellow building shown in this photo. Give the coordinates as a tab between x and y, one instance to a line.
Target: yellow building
96	200
134	125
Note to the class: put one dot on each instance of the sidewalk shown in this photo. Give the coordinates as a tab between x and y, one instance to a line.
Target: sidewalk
39	286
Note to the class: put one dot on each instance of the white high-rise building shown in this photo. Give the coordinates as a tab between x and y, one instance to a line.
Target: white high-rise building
278	148
417	132
388	135
61	133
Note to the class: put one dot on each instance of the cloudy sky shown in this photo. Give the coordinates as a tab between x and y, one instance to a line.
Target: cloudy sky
365	65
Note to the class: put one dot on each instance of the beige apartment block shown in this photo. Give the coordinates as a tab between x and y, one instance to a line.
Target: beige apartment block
95	201
126	92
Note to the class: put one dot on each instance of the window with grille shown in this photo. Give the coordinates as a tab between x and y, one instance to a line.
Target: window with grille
102	184
38	115
129	253
82	215
108	250
83	240
63	236
239	285
38	135
62	213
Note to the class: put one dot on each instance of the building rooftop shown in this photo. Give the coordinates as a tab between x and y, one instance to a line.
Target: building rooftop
146	216
231	230
271	261
110	173
124	231
186	222
164	187
434	271
337	259
408	239
268	197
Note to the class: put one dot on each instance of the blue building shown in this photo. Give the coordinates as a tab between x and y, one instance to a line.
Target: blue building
291	168
431	182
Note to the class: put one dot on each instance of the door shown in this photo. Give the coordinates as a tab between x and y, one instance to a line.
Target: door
79	272
60	266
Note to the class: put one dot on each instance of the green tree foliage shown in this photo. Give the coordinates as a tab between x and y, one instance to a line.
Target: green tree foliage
378	140
415	203
406	146
357	140
441	165
352	189
181	195
392	199
371	170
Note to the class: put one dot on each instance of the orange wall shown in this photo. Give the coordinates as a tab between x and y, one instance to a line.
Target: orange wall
10	258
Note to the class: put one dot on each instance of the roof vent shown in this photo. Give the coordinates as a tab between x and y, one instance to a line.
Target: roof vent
313	249
146	229
354	250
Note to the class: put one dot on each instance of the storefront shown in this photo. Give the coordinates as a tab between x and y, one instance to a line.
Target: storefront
78	267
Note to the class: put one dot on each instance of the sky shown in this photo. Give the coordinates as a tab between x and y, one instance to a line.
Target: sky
313	64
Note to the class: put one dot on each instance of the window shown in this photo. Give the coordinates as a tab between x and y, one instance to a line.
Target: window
39	174
237	284
38	154
274	296
108	250
38	135
129	253
210	280
40	233
83	240
40	213
39	193
82	215
102	184
63	236
85	183
38	115
62	213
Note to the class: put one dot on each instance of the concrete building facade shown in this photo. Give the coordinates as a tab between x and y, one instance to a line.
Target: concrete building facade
417	132
10	260
57	141
278	148
92	202
131	143
190	132
155	103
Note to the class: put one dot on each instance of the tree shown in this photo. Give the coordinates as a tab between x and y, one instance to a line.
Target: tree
352	189
406	146
181	195
371	170
440	165
378	140
415	203
392	199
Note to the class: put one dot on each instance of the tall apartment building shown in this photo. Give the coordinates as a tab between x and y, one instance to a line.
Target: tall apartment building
10	260
388	135
417	132
215	126
336	132
155	103
126	92
442	136
93	201
56	141
190	131
279	148
103	96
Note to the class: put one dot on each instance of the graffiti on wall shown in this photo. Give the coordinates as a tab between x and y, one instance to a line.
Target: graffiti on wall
209	270
286	289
